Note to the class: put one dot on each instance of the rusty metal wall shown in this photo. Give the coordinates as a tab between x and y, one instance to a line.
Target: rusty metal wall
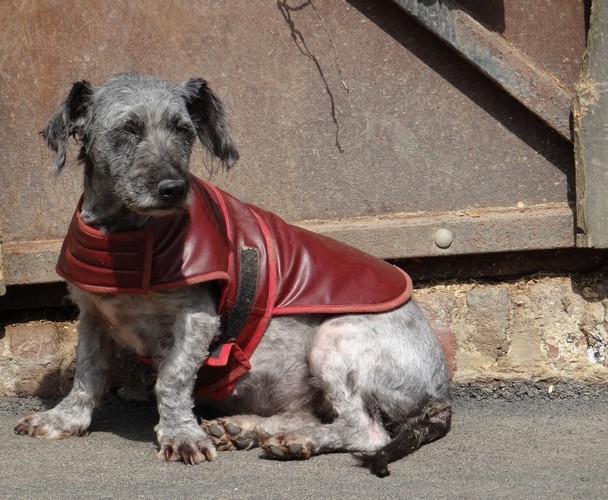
350	118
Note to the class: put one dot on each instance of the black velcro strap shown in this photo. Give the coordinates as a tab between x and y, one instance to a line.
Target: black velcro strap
249	259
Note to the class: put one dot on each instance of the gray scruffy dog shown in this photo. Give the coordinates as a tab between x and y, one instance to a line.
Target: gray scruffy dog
372	384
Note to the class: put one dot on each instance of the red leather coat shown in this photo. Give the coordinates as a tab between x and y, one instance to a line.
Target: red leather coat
264	267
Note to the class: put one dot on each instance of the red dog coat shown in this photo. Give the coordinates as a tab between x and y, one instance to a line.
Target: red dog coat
263	266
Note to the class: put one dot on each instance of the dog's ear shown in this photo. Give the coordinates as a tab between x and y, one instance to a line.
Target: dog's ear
209	119
68	119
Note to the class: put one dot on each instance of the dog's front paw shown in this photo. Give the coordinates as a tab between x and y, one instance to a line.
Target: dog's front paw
190	447
51	425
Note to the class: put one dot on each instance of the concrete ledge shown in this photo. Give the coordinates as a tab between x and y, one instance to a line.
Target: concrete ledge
391	236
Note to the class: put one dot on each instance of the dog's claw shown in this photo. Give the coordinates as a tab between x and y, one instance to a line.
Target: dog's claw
190	450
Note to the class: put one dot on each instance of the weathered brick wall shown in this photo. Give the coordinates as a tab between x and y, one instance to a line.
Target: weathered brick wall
535	328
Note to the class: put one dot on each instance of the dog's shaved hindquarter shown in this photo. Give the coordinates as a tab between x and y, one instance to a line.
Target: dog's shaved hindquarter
374	384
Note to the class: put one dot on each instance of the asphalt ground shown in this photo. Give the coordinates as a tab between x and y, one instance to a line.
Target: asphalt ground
507	441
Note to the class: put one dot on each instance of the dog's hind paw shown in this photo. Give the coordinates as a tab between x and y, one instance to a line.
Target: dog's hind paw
228	436
284	448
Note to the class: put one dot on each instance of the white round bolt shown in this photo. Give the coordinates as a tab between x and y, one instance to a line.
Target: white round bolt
443	238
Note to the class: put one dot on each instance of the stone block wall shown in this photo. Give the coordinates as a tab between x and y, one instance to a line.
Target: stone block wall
535	328
37	358
538	328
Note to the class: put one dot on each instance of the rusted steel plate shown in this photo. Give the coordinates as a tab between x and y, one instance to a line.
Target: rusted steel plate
497	59
419	131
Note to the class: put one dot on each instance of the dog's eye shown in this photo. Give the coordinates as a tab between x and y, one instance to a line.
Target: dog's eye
184	128
133	130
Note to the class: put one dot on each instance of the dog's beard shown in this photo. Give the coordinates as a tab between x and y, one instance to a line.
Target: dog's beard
153	207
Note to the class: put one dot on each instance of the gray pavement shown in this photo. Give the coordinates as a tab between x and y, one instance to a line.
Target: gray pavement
506	442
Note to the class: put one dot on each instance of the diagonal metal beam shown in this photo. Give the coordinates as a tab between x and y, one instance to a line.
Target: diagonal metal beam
538	91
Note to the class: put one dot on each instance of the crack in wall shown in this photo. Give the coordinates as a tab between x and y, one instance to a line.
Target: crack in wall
286	10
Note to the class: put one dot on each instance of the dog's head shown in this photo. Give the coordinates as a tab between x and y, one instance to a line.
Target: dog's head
136	134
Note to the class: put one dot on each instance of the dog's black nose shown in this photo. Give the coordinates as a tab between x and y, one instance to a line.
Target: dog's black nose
171	190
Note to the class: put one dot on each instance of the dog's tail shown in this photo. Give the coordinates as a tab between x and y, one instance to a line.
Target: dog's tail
432	423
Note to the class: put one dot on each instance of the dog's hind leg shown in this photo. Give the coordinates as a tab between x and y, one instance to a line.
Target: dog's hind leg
302	435
384	384
284	436
297	435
